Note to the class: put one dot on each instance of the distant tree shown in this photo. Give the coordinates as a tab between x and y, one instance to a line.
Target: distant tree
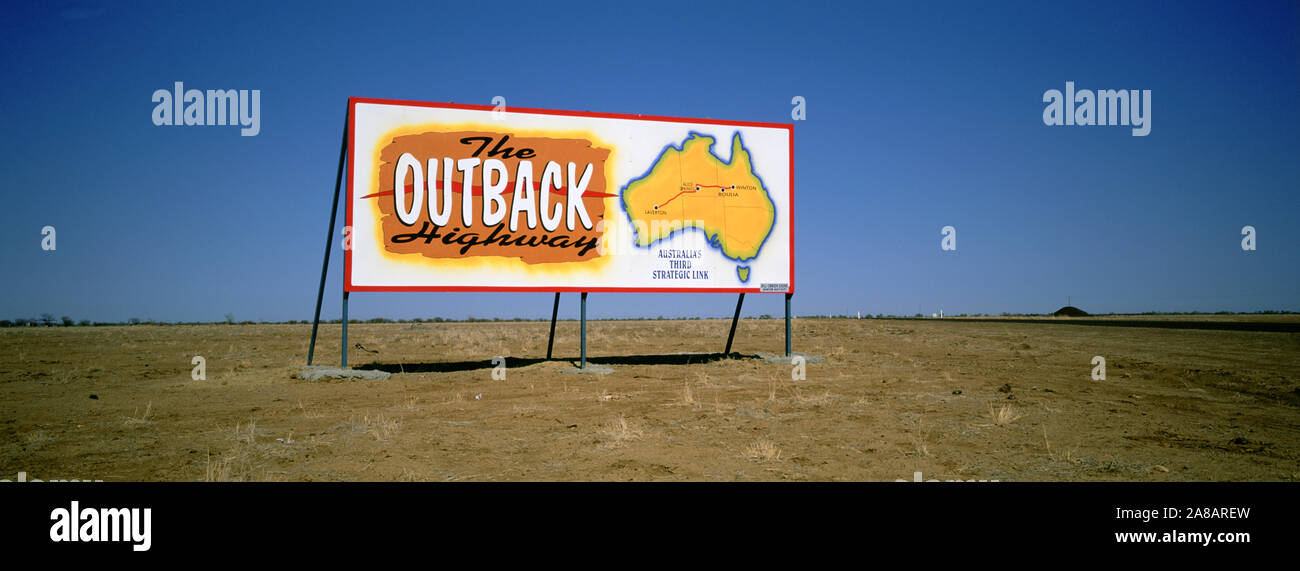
134	321
230	318
47	319
67	321
83	322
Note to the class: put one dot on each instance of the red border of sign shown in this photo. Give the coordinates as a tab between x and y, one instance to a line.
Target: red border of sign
347	254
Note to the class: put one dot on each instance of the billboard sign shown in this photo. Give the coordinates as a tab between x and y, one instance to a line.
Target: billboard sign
449	197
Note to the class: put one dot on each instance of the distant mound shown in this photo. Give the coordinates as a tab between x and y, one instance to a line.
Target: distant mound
1070	311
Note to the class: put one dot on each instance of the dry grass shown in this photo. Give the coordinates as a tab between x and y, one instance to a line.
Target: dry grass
237	465
1067	456
380	426
246	434
620	430
703	378
866	429
920	445
306	413
919	435
231	467
141	419
408	475
1004	415
816	399
240	462
762	450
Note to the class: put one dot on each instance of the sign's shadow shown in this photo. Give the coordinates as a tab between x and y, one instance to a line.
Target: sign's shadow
512	362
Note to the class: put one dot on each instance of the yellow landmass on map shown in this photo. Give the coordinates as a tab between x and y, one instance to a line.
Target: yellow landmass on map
690	187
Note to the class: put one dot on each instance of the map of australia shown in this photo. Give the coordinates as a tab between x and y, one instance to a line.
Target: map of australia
690	187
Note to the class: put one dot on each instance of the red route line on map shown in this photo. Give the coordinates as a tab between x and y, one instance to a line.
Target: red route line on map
698	186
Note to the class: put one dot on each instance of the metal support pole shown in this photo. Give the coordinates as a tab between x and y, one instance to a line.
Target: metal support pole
583	332
329	241
734	319
555	311
345	329
787	323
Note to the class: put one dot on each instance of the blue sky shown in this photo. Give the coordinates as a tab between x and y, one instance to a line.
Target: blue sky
919	116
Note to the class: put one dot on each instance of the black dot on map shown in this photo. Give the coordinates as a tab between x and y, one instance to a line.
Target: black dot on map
697	188
733	187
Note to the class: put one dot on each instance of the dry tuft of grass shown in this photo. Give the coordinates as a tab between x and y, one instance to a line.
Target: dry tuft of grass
240	462
410	476
1003	415
218	471
703	378
379	426
245	435
816	399
762	450
142	419
922	448
688	398
918	433
302	408
620	430
1067	457
237	465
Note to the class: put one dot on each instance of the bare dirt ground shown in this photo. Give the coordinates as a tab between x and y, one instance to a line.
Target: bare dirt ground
1009	401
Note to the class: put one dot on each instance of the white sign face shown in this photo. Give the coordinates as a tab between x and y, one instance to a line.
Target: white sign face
445	197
